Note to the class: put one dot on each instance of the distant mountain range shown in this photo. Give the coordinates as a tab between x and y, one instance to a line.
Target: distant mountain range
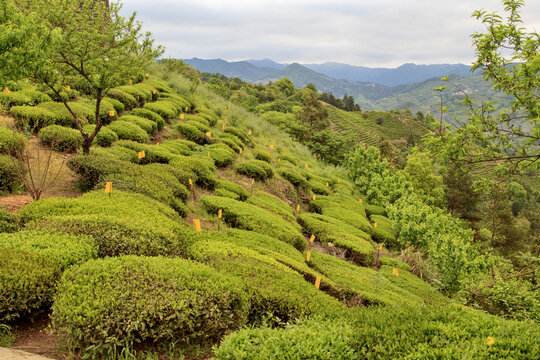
409	86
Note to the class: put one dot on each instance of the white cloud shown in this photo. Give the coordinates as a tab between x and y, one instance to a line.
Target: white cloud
361	32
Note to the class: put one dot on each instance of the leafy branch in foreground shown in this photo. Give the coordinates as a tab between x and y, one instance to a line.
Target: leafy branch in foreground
509	59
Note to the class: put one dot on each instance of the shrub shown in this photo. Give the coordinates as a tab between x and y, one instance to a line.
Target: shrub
27	282
203	168
117	104
177	147
192	133
8	222
26	96
165	109
129	131
250	217
11	142
231	144
288	158
198	125
240	192
128	100
61	138
238	133
319	188
105	137
273	204
116	152
374	209
140	94
350	217
384	231
198	119
257	169
142	299
209	115
263	155
339	234
63	117
294	178
149	114
222	157
231	137
147	125
30	118
123	224
9	175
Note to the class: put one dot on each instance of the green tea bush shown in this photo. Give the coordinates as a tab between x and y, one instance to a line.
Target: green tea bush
235	139
116	152
165	109
288	158
63	117
226	193
177	147
149	114
9	175
141	95
240	134
144	299
202	167
129	131
350	217
27	282
271	203
374	209
294	178
117	104
328	230
31	118
319	188
177	100
8	222
61	138
384	231
192	133
128	100
198	125
231	144
241	193
11	142
105	137
147	125
153	153
223	157
26	96
124	223
181	174
208	115
256	169
198	119
250	217
159	86
263	155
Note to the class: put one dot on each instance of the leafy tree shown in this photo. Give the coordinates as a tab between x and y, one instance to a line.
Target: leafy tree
313	114
420	172
510	60
84	41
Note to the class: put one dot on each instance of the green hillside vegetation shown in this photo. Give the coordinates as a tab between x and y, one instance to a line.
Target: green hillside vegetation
226	227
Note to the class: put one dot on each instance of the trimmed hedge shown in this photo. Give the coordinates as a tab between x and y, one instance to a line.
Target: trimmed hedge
198	125
105	137
350	217
165	109
150	115
117	104
11	142
147	125
375	210
319	188
231	144
221	154
116	152
61	138
203	168
239	133
241	193
124	223
256	169
9	175
177	147
271	203
339	234
8	222
129	101
294	178
263	155
144	299
26	96
129	131
193	133
384	231
63	117
153	153
31	118
250	217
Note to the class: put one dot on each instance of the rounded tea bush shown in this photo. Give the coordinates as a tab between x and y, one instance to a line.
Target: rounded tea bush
31	118
105	137
9	176
129	131
11	142
117	301
61	138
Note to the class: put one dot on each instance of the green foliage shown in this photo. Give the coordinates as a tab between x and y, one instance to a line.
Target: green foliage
26	96
240	192
384	232
438	332
319	188
11	142
30	118
147	125
222	155
263	155
273	204
117	152
124	223
420	172
165	109
149	114
203	168
239	134
192	133
129	101
374	209
144	299
255	169
105	137
117	104
153	153
129	131
62	116
330	230
8	222
250	217
294	178
60	138
27	282
9	174
351	217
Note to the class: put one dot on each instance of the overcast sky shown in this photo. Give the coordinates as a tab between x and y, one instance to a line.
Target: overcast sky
374	33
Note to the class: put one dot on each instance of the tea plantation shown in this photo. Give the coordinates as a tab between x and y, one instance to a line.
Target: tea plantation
290	260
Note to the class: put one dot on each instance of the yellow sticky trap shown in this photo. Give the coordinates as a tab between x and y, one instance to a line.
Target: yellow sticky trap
219	213
7	91
395	272
379	247
360	201
249	132
278	160
141	154
138	98
490	341
154	91
327	184
157	143
68	88
318	281
147	75
223	126
190	182
209	154
197	224
339	181
297	208
271	146
130	82
181	116
312	238
108	187
308	255
111	113
252	181
186	108
375	225
240	151
314	197
208	133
